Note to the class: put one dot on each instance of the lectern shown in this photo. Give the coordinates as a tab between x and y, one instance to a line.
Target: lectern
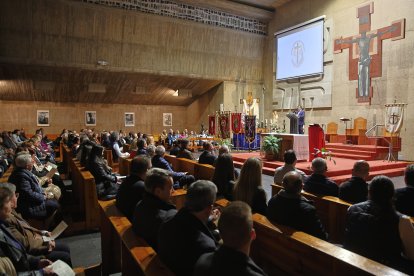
293	123
316	140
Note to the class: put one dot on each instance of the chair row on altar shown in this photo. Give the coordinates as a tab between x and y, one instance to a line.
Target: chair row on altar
355	135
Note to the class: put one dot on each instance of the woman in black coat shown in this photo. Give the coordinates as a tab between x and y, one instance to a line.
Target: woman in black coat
106	181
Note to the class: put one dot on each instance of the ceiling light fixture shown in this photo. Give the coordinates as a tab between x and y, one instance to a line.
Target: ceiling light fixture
175	94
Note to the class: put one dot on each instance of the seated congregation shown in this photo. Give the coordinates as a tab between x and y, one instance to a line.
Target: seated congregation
202	238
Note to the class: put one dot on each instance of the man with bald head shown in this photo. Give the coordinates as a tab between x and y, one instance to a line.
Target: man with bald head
355	190
318	183
290	208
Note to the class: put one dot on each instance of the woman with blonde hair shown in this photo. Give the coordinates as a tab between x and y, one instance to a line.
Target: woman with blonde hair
249	186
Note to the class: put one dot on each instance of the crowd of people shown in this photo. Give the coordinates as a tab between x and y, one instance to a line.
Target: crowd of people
377	224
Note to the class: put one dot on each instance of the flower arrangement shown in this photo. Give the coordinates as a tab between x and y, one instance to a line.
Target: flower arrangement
324	153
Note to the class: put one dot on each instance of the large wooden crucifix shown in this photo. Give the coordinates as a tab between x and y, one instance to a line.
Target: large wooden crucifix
365	50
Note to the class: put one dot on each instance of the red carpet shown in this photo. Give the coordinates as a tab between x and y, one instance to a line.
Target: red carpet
339	172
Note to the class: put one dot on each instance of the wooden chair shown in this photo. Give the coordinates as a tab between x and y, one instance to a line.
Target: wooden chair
332	132
357	133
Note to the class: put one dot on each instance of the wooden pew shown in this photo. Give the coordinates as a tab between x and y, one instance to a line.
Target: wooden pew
280	250
172	160
203	171
124	165
84	191
122	249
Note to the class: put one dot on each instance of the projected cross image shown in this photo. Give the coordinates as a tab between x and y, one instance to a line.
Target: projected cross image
298	53
299	50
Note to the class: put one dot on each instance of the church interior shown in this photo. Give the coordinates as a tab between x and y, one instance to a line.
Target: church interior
149	66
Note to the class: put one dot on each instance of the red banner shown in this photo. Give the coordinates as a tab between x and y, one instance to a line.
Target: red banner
211	124
224	126
236	122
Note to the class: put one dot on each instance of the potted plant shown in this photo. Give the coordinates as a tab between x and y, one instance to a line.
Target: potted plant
271	145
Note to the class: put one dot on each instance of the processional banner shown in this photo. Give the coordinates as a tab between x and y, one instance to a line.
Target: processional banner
211	124
236	122
394	115
224	125
250	128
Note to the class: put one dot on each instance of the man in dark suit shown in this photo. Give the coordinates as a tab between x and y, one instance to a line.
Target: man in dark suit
207	157
290	208
154	209
404	197
32	202
184	152
318	183
355	190
131	190
232	258
142	147
184	238
180	178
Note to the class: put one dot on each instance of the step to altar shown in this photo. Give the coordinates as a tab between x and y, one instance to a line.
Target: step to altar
357	152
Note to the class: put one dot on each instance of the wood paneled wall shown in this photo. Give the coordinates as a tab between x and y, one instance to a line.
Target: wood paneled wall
76	34
148	118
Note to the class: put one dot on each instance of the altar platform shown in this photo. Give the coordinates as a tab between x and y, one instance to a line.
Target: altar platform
341	171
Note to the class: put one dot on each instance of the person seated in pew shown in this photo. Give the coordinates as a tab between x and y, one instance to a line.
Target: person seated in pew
105	180
290	208
142	147
181	179
223	149
154	209
185	237
33	201
175	148
12	248
232	257
151	151
224	176
116	148
132	188
290	162
404	197
207	157
374	229
249	186
318	183
184	152
32	238
355	190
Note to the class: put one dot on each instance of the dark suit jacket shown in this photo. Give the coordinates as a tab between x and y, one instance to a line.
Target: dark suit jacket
373	232
148	216
355	190
404	200
160	162
182	240
296	212
129	194
185	153
174	151
31	201
321	185
259	202
141	152
226	261
207	158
